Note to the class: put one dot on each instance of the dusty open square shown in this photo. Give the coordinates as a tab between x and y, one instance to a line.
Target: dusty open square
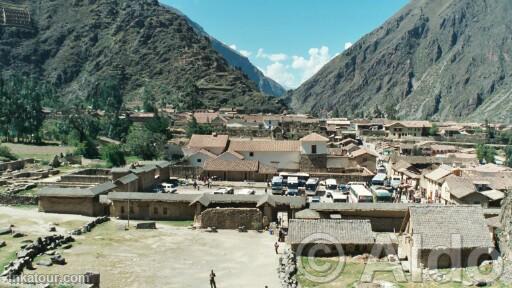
171	256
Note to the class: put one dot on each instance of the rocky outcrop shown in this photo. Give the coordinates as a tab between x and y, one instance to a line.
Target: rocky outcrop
287	270
439	59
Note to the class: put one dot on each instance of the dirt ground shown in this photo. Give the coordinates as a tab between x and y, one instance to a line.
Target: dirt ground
170	256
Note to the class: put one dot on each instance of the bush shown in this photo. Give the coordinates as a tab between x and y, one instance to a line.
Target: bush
5	152
87	149
114	155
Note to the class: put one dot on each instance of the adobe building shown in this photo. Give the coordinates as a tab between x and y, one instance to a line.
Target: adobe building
238	170
128	183
336	237
81	201
438	237
152	206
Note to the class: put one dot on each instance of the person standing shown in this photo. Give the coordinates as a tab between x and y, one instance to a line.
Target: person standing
276	246
212	280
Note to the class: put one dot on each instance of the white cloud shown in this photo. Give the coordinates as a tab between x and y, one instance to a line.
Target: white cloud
281	73
348	45
242	52
277	57
307	67
245	53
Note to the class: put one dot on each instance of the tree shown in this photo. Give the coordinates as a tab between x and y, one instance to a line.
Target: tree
158	124
391	112
486	153
508	155
490	132
113	154
88	149
195	128
145	144
434	130
21	110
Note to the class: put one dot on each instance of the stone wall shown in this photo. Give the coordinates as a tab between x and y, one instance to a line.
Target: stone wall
86	206
313	163
7	199
232	218
153	210
15	165
84	179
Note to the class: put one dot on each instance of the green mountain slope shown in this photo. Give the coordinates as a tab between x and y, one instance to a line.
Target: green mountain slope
77	43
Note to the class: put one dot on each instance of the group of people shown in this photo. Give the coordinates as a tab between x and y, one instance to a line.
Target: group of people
204	179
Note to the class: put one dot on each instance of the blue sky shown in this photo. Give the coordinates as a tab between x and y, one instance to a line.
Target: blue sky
289	40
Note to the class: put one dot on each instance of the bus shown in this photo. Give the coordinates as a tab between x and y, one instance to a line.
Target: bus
331	184
379	180
382	195
311	186
359	194
302	178
293	186
277	185
339	197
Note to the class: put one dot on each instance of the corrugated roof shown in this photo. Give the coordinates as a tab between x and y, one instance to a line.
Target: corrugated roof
437	224
128	178
494	195
307	214
264	146
412	124
53	191
326	231
335	207
440	173
162	197
314	137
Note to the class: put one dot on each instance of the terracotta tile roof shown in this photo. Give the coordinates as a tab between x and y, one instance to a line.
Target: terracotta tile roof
206	117
363	151
264	146
234	154
266	169
412	124
437	224
341	231
161	197
231	165
314	137
208	141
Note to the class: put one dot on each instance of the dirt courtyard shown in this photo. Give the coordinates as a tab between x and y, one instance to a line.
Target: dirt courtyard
170	256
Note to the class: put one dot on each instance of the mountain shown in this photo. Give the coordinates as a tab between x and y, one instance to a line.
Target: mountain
265	84
76	44
435	59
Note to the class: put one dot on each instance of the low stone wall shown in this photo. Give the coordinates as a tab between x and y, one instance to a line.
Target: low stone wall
15	165
232	218
84	179
6	199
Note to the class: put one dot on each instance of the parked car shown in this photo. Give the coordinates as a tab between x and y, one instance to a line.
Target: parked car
246	192
395	181
225	190
168	187
343	188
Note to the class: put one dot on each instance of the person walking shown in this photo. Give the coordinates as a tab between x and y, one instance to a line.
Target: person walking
212	280
276	246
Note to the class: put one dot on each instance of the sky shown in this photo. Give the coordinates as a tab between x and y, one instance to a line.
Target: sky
288	40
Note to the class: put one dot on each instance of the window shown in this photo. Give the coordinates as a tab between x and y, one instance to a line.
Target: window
165	210
251	154
155	210
122	209
199	160
313	149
